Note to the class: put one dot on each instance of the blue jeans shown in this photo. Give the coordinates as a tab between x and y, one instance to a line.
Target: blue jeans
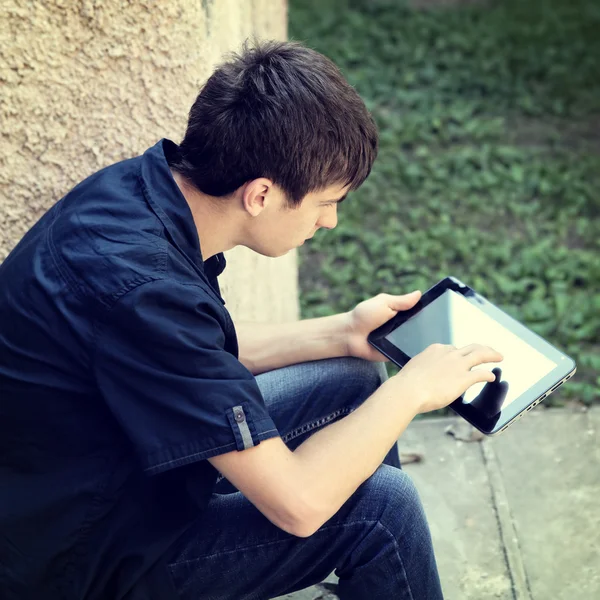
378	543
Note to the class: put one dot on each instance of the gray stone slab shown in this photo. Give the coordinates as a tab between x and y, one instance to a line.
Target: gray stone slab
550	468
508	534
455	489
312	593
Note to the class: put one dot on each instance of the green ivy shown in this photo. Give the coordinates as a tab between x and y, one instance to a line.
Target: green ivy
489	167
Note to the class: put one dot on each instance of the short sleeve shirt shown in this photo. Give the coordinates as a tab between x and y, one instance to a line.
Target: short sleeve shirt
119	377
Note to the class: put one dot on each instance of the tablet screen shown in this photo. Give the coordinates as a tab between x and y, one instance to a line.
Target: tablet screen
452	319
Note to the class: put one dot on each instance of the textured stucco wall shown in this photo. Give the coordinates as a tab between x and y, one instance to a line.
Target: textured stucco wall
85	83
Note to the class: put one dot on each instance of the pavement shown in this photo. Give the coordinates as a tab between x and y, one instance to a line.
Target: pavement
514	517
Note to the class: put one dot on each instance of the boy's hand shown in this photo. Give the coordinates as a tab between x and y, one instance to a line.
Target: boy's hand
369	315
441	373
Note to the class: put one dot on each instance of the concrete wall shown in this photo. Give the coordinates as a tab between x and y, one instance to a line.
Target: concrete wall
85	83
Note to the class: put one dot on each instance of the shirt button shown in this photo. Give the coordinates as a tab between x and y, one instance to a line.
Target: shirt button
239	416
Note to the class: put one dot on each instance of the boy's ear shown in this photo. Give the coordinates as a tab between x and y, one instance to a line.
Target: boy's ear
256	195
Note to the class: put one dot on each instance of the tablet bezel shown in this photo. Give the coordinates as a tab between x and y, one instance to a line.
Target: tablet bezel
565	365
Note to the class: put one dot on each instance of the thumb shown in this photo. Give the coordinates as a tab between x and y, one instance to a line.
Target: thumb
405	301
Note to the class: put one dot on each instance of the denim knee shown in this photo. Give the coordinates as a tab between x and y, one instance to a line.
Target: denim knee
393	556
391	498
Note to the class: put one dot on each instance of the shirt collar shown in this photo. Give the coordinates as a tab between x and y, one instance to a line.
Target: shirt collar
169	204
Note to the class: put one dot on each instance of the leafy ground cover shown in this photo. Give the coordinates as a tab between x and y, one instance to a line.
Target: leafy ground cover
489	167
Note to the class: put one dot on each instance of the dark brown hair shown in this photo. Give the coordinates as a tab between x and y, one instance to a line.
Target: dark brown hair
282	111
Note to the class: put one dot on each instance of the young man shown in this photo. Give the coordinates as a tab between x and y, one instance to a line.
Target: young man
123	396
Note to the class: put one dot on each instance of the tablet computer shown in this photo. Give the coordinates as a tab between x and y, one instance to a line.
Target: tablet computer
452	313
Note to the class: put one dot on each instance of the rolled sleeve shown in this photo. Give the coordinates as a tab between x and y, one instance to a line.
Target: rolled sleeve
163	371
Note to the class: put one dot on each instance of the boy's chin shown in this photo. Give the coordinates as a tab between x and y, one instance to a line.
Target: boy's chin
272	252
282	253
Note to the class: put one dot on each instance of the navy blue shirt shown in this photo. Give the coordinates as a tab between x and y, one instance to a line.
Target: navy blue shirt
119	377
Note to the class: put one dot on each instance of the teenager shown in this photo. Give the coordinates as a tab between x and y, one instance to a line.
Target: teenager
126	392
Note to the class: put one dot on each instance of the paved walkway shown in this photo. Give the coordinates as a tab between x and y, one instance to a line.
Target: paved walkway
516	517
